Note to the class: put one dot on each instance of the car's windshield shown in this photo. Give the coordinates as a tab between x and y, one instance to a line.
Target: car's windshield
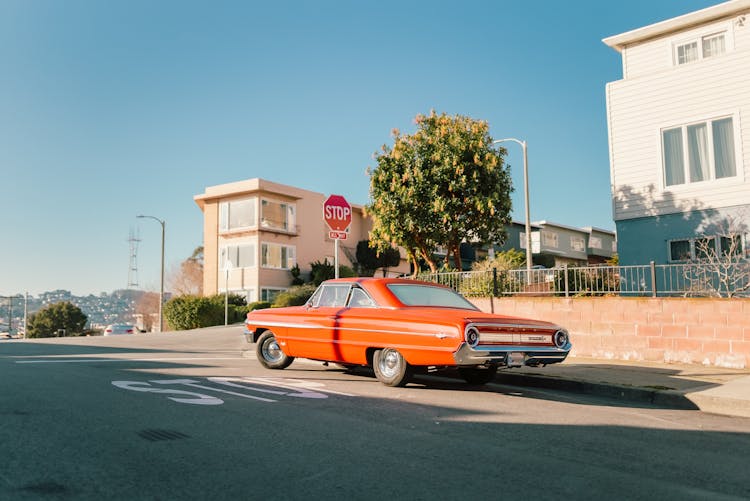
427	295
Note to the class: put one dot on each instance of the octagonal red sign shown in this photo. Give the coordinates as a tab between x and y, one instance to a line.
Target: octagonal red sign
337	213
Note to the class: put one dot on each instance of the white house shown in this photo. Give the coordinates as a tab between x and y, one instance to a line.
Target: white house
679	135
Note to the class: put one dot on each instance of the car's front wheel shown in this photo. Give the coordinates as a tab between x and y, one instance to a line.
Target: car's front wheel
391	368
478	375
269	352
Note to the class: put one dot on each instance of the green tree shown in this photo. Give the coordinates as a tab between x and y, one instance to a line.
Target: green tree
370	259
442	185
322	271
51	319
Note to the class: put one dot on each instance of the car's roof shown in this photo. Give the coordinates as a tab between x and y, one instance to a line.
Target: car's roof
378	288
381	280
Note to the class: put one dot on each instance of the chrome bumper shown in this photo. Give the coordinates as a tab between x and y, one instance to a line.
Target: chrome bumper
249	335
510	356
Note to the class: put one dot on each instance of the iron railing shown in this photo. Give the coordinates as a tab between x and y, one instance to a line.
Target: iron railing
730	279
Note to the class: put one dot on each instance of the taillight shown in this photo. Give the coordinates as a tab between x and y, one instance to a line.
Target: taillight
472	336
560	338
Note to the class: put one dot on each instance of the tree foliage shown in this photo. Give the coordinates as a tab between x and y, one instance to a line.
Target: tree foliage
442	185
51	319
296	296
510	259
370	259
193	312
188	278
321	271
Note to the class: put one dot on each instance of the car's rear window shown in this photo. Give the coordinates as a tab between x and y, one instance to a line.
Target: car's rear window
426	295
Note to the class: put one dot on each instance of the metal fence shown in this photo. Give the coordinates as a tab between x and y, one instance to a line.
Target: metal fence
728	279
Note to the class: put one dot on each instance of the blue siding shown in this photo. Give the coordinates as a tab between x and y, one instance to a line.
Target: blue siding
642	240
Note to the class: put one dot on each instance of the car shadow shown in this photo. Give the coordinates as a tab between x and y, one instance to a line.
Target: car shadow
536	387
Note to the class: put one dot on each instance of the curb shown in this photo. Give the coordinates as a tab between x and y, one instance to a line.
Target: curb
662	398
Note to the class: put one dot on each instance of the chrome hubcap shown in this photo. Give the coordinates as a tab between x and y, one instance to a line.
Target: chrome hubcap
389	363
271	351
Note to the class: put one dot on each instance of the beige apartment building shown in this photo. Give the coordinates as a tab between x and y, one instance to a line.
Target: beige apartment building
255	231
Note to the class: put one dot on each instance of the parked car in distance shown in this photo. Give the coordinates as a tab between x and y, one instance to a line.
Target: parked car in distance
400	327
116	329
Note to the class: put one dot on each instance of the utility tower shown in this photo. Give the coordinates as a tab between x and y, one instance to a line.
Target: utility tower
133	269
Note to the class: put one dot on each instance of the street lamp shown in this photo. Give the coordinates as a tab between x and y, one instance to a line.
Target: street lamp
161	288
526	199
227	269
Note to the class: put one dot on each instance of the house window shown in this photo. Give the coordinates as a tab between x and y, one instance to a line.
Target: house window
732	245
237	214
702	248
687	52
595	242
713	45
549	239
680	250
699	152
700	48
269	294
240	256
277	215
277	256
578	244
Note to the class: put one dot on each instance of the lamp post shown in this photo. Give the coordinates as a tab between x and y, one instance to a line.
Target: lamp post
227	269
526	200
161	287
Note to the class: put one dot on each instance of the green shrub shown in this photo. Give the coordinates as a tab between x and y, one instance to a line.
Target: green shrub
193	312
56	319
296	296
258	305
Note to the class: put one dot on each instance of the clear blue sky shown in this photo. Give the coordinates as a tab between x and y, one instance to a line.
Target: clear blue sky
109	109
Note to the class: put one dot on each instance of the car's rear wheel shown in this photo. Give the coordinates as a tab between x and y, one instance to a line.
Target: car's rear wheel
478	375
269	352
391	368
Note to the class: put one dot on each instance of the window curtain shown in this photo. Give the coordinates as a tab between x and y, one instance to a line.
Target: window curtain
724	148
698	152
687	53
673	157
713	46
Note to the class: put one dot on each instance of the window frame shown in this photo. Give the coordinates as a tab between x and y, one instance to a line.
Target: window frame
265	290
289	211
578	243
685	155
290	265
225	214
226	246
699	40
717	244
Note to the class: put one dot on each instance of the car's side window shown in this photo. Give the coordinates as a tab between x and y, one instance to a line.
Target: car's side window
360	299
332	295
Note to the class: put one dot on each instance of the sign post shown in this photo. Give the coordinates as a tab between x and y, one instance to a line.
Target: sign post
337	214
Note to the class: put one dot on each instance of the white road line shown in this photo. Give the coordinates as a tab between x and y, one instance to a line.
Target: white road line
98	360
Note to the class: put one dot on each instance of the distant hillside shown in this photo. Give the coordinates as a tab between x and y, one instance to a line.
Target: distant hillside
103	309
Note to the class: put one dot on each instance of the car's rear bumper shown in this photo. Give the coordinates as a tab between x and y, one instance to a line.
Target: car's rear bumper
511	356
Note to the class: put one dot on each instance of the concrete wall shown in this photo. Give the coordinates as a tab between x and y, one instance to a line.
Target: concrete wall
695	330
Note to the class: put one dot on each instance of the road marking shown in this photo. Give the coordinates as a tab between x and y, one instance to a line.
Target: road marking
98	360
277	388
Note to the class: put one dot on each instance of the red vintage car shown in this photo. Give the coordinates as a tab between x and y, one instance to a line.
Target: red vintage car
400	327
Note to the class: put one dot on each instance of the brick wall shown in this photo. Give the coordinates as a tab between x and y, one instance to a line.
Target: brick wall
686	330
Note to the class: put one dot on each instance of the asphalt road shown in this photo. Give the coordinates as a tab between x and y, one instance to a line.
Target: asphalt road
186	416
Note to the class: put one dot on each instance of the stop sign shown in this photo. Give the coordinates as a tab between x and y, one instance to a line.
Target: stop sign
337	213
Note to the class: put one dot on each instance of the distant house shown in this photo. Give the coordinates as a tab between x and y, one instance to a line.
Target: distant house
256	231
679	135
554	244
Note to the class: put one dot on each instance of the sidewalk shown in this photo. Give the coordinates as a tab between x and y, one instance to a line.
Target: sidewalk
710	389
